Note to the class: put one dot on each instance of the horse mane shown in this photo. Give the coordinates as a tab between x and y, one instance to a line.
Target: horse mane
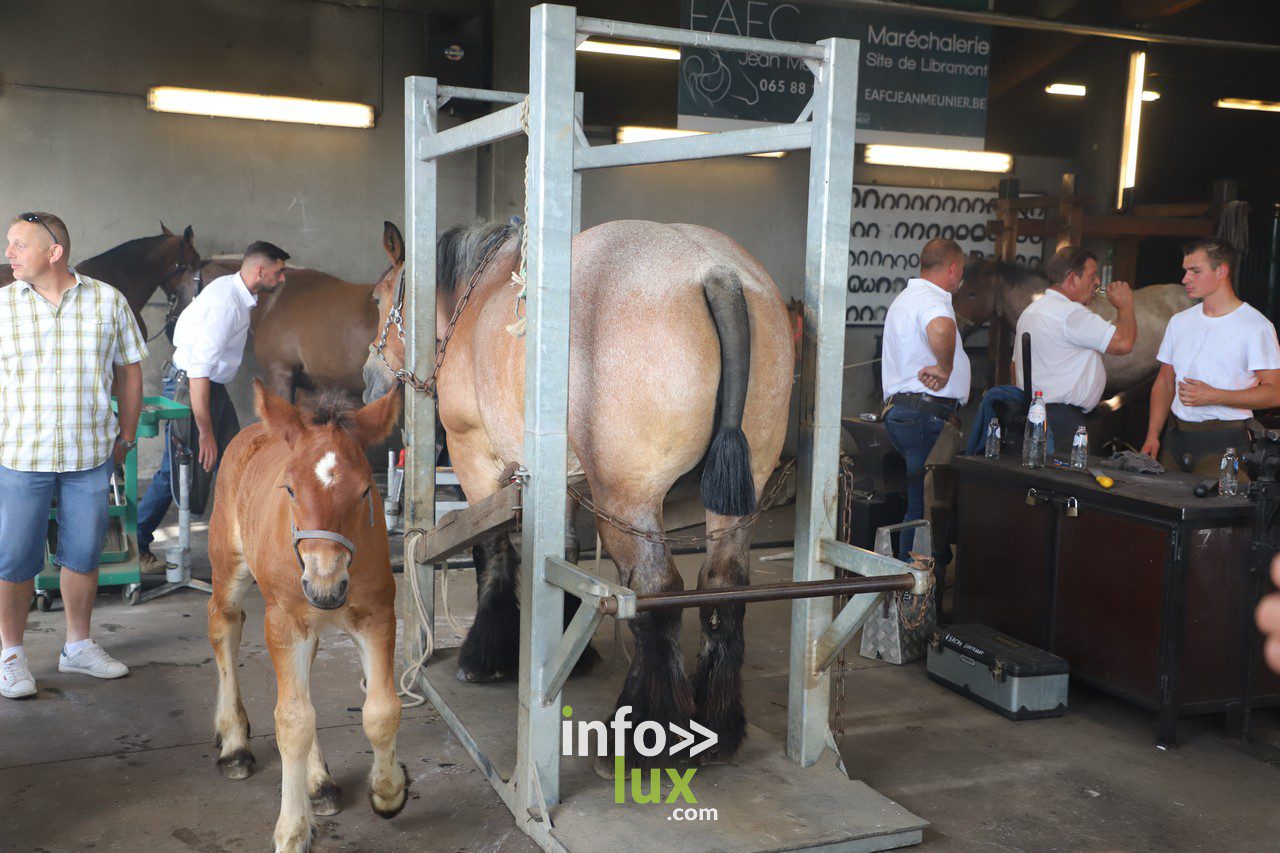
1018	274
463	248
330	406
1013	273
132	247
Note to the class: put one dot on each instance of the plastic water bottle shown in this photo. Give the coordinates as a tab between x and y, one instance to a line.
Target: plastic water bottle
1227	483
1035	438
993	439
1080	449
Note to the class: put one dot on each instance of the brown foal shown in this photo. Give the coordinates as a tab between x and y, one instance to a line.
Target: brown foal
296	510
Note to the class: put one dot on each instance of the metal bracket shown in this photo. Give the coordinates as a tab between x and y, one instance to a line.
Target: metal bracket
850	618
923	543
591	590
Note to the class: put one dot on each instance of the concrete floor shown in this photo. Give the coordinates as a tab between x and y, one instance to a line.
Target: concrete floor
129	764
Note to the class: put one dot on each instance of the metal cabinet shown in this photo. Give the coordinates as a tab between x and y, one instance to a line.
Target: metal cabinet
1143	588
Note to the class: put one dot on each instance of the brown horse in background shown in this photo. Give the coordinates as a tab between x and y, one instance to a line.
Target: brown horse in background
139	267
312	333
680	352
297	511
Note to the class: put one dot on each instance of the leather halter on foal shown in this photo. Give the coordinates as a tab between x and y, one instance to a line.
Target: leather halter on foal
299	535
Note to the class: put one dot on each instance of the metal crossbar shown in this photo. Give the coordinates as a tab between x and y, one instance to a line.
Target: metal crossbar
781	137
784	591
695	38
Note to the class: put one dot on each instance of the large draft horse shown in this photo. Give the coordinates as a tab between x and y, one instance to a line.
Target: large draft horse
680	350
297	511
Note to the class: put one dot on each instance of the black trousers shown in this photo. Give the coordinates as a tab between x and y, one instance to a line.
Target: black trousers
185	436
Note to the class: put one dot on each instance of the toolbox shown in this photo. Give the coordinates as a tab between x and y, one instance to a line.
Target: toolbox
1012	678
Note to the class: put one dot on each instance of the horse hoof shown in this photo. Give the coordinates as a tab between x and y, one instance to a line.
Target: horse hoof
603	766
471	676
324	801
389	807
237	765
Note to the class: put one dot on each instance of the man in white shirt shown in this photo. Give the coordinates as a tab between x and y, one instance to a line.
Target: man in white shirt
1219	361
924	370
1068	340
208	341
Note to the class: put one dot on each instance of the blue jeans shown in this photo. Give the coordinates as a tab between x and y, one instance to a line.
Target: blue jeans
155	503
987	411
25	498
913	434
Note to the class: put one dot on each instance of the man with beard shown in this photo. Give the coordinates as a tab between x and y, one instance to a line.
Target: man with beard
208	342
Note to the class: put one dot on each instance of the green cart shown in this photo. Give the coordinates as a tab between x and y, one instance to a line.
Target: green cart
119	564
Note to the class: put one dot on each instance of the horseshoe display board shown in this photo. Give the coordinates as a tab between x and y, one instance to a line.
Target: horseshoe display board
892	224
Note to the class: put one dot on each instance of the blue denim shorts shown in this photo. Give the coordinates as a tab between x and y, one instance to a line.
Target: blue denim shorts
25	498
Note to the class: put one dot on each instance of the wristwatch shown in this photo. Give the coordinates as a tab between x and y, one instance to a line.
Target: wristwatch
128	445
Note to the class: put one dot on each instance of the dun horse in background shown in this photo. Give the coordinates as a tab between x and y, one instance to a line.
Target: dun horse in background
990	285
680	352
297	511
139	267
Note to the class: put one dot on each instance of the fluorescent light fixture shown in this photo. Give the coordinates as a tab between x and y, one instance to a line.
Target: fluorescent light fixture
938	158
636	133
203	102
640	50
1076	90
1246	104
1132	125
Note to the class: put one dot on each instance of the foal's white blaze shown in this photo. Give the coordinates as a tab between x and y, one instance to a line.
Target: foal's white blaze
325	469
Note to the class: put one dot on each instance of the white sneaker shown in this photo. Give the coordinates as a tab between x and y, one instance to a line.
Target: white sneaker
92	660
15	678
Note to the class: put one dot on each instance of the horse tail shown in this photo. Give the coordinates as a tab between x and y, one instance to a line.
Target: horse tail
727	484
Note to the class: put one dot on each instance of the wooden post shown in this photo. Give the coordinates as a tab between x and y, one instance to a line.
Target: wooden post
999	350
1070	214
1126	261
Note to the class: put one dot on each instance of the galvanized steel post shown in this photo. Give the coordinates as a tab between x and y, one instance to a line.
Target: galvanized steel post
821	384
549	218
420	336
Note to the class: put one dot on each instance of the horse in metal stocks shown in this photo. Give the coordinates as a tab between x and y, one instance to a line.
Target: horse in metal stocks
680	352
296	510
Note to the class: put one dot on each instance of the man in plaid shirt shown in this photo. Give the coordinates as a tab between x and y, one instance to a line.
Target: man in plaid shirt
63	338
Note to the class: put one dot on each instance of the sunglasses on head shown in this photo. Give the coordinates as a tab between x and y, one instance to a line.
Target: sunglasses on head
35	217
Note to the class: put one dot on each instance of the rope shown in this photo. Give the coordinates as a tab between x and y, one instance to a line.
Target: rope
409	676
518	328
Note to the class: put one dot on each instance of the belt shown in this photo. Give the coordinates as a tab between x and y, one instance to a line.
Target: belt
940	407
1208	426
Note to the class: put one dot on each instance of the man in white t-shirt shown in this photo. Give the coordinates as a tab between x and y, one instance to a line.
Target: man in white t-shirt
1219	361
924	369
1068	340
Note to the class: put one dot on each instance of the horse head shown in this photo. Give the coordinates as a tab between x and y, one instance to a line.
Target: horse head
386	351
975	301
992	287
463	255
328	483
186	261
